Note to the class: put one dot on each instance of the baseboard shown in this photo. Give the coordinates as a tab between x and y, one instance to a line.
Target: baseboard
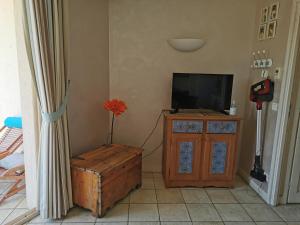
254	185
245	176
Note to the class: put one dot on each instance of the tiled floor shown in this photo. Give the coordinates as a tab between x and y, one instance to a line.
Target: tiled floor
13	206
155	205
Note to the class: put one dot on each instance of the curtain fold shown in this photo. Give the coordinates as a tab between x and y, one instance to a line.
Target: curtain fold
43	27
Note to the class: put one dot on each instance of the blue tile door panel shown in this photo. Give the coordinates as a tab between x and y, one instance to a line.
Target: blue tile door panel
187	126
221	127
219	155
185	158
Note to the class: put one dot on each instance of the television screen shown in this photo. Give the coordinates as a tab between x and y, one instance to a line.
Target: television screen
201	91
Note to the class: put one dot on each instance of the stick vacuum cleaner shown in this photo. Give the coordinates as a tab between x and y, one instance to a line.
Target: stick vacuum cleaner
260	92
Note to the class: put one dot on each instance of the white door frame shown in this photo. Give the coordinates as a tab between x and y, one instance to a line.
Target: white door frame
285	98
29	110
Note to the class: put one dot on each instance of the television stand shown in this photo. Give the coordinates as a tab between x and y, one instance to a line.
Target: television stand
200	149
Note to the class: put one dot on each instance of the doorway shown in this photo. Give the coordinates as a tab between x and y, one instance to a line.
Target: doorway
292	144
19	99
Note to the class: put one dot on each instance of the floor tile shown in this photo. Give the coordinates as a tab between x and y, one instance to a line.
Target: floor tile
147	175
73	223
173	212
58	223
261	212
12	202
270	223
221	196
203	212
208	223
143	196
158	175
239	223
169	196
239	183
246	195
38	220
159	183
143	212
195	196
118	213
176	223
147	183
4	214
125	200
143	223
79	215
22	204
15	213
289	212
232	212
109	223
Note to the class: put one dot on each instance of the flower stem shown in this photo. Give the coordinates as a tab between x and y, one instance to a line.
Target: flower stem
112	128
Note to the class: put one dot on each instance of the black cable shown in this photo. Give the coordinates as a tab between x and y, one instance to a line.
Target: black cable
152	131
154	150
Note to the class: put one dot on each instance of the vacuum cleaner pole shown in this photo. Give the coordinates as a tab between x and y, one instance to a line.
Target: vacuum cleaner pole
260	92
258	132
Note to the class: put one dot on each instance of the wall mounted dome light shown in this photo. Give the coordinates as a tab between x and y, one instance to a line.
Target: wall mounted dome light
186	44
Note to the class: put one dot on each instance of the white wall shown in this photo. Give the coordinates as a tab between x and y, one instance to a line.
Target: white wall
142	62
86	45
9	81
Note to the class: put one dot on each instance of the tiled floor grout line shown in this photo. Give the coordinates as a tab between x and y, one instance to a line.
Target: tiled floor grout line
186	205
239	202
157	202
128	210
214	206
277	214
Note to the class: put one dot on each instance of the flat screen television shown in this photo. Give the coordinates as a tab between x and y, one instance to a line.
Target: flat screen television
201	91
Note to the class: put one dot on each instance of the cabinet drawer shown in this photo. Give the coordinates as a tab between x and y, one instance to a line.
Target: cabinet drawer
187	126
222	127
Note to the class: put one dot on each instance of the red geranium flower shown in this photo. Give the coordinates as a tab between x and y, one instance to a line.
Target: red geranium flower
117	107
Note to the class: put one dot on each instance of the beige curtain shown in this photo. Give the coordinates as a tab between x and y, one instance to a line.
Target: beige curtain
43	21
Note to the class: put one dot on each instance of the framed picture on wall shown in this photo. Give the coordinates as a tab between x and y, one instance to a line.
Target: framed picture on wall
264	15
262	32
274	11
271	30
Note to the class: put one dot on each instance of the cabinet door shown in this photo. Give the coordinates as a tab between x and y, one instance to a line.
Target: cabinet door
219	157
185	157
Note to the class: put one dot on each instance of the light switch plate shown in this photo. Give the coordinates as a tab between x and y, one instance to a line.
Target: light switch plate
277	73
264	73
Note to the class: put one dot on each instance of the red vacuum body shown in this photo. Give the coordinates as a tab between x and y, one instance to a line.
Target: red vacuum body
260	92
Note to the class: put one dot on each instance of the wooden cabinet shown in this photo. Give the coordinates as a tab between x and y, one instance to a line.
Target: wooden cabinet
200	150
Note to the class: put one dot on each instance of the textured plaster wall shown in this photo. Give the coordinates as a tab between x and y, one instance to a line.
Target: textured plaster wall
142	62
276	50
87	66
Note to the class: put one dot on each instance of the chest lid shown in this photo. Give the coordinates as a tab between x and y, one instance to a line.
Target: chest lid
105	158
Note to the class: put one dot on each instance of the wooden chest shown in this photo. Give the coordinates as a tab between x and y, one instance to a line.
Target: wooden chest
102	177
